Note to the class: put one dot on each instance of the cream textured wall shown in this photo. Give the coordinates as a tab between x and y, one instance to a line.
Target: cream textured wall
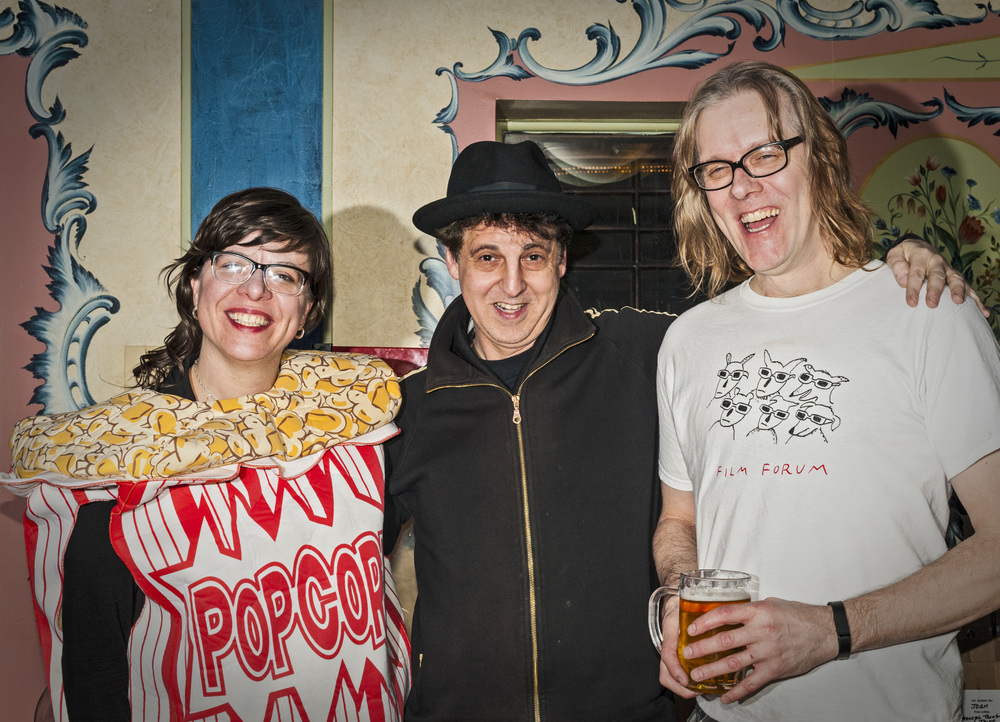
123	97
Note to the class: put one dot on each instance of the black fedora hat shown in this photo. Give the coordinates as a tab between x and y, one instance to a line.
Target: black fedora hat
490	177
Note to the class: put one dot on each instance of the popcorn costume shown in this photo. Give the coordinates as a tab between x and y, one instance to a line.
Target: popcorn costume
252	525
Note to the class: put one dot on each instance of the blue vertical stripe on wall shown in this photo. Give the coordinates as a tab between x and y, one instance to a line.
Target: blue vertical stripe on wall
256	100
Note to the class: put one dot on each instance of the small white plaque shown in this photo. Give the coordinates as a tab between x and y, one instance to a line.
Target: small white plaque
981	705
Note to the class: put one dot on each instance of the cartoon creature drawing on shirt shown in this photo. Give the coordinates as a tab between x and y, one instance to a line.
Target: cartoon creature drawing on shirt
773	412
793	396
774	376
730	377
816	385
813	418
734	410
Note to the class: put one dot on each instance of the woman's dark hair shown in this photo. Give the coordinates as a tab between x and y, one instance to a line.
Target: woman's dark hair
275	216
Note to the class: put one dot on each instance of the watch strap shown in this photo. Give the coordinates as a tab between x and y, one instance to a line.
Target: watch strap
843	629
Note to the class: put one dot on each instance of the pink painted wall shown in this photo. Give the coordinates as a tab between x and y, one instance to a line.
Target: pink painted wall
23	246
476	118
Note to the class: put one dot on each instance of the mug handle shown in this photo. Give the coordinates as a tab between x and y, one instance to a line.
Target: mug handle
655	628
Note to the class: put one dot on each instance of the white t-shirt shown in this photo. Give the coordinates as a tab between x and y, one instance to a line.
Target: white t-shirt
818	435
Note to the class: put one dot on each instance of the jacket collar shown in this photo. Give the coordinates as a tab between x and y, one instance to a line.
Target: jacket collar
448	359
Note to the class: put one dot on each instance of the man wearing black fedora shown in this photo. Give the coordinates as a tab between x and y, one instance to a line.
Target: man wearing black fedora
528	458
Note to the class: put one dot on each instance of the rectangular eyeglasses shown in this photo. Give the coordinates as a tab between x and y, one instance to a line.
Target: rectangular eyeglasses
235	268
762	161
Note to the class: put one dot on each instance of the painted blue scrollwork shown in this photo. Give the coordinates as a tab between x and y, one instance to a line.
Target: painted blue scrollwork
655	48
502	67
46	34
658	48
865	19
67	333
435	270
859	110
972	116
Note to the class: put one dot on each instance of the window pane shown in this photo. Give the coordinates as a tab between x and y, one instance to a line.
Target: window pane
657	246
600	289
595	247
613	209
655	211
655	174
666	290
607	177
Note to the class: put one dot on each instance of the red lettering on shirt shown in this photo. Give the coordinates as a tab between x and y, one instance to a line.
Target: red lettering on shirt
336	596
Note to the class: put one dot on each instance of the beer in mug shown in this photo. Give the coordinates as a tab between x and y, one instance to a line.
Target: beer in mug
691	609
701	591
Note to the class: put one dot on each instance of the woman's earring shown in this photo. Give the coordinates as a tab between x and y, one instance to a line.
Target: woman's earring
301	333
194	312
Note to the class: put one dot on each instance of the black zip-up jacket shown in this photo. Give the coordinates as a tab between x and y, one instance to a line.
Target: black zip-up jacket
534	514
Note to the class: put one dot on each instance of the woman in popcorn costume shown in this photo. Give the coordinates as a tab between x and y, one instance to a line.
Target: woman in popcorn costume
209	545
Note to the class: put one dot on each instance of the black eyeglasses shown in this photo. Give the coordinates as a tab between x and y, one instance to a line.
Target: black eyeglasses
236	268
779	376
765	160
776	413
815	418
740	407
737	374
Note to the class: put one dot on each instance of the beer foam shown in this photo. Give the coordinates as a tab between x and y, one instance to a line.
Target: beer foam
715	595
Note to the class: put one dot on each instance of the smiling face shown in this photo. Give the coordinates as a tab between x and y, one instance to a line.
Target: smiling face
769	221
247	324
510	282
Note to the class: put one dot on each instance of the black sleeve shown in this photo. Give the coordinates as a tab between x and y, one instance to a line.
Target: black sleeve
396	510
637	334
395	515
101	602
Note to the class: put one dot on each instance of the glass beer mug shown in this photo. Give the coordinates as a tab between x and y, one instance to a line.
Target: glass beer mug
701	591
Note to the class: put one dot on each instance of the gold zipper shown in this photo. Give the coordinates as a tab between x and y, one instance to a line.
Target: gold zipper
533	614
531	565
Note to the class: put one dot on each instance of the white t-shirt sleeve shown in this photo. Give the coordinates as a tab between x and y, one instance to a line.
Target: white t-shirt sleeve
672	466
960	380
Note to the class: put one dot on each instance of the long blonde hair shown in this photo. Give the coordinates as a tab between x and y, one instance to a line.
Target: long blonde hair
844	219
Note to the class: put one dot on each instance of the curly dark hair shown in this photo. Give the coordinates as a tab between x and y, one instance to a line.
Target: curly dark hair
550	226
276	216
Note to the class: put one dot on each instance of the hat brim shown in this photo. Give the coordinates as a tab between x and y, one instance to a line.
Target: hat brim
435	216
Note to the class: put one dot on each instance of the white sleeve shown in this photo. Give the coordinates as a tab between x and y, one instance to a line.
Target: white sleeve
960	380
672	467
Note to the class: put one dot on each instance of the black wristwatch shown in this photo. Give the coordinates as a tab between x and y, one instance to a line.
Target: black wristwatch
843	629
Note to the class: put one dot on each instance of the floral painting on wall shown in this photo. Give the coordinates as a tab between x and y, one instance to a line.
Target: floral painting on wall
957	213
